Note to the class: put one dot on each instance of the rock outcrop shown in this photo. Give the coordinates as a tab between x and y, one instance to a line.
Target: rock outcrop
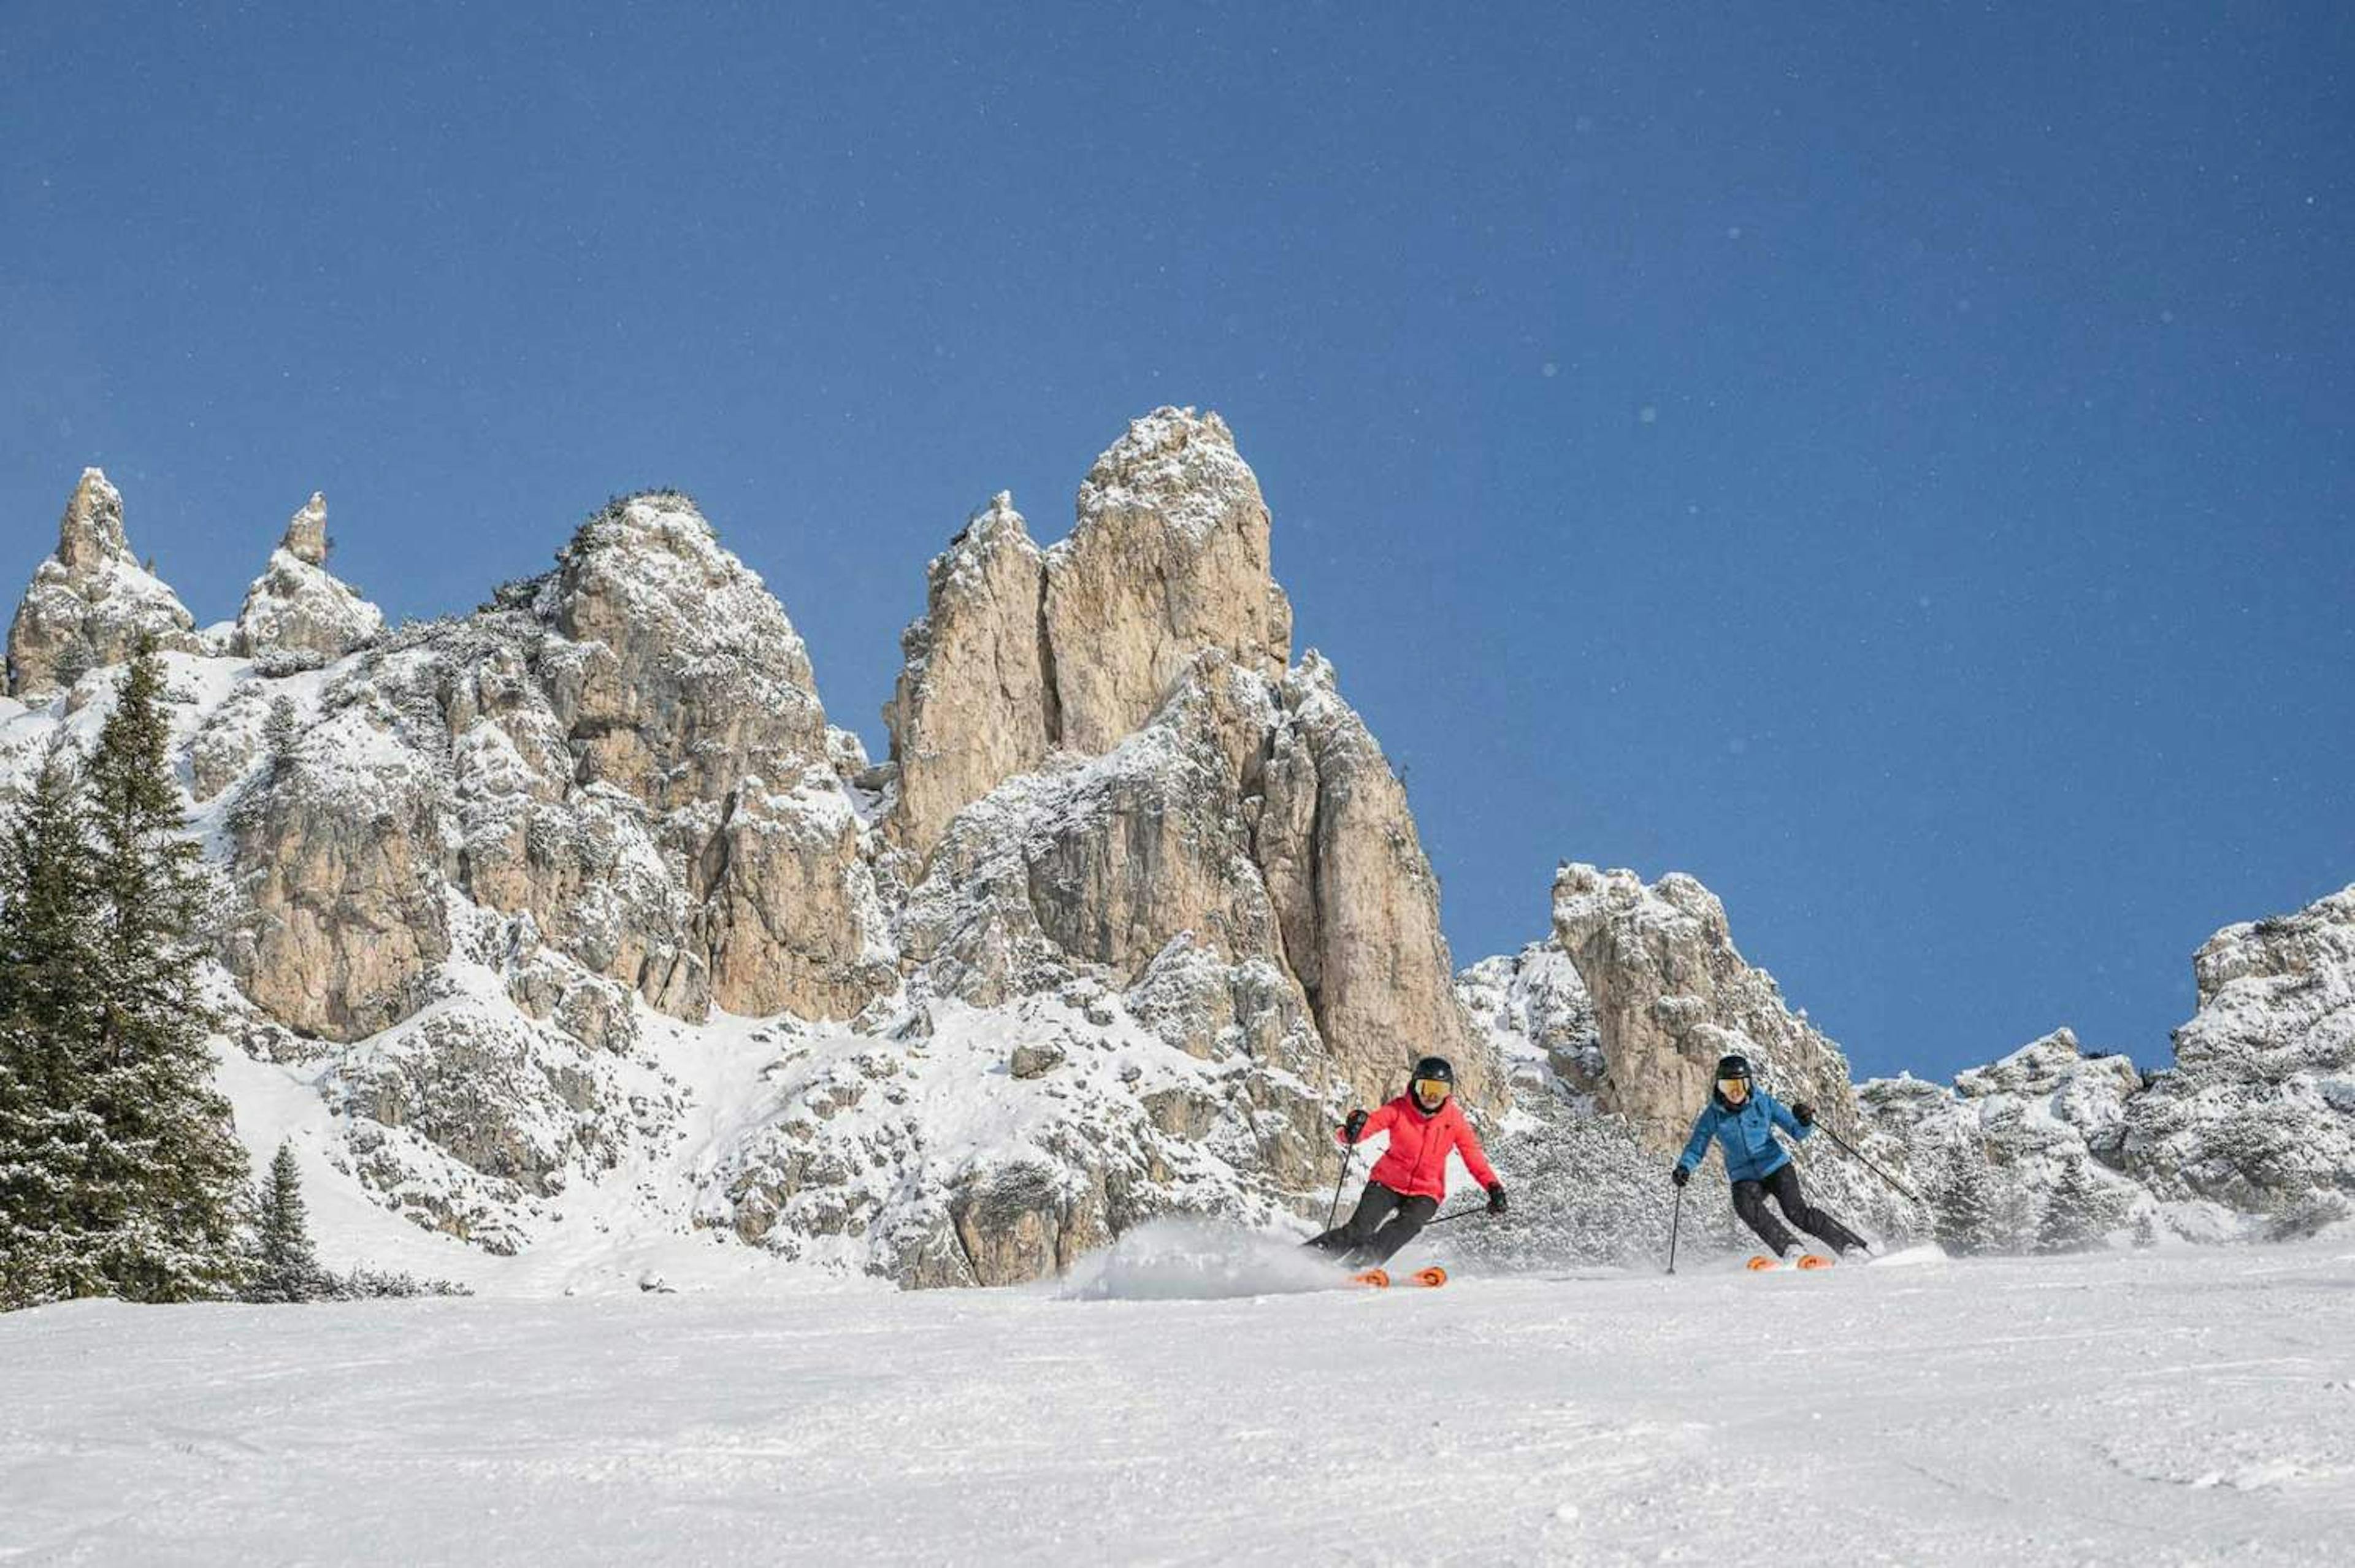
1170	556
2258	1111
627	756
296	606
1671	995
90	602
2027	1120
1537	1018
976	699
1356	896
1021	653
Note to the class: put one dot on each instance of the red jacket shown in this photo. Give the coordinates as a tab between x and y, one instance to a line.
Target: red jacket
1417	1160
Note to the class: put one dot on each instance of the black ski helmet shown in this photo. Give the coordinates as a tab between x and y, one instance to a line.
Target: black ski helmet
1431	1070
1733	1067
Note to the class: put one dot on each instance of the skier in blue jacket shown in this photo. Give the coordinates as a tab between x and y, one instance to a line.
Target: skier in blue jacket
1742	1118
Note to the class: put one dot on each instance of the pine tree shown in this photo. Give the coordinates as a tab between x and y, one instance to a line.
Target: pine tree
1965	1202
284	1267
169	1172
2074	1213
48	1134
278	736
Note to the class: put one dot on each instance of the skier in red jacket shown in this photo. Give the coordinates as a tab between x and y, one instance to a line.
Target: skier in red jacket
1407	1184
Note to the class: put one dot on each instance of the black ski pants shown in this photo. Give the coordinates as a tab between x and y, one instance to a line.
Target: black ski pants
1782	1184
1384	1222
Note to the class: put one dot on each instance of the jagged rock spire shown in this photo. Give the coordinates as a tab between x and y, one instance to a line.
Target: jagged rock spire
976	699
91	602
306	532
296	605
1021	653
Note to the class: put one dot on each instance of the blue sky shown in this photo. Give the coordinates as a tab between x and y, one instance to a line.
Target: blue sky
1892	462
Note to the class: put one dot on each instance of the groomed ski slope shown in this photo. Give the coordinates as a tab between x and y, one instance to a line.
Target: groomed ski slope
2182	1405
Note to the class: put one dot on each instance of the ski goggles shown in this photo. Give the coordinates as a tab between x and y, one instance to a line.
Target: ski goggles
1431	1089
1733	1088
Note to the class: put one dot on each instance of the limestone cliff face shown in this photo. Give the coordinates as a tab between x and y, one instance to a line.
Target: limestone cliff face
296	606
1170	556
1671	993
1355	895
626	756
680	673
91	601
976	699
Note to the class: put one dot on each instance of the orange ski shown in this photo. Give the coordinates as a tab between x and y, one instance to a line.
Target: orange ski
1761	1260
1433	1275
1815	1260
1375	1277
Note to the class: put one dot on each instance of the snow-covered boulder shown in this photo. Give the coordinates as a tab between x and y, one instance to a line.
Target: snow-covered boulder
298	607
90	602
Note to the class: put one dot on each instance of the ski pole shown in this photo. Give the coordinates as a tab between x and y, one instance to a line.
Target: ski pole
1869	1166
1675	1224
1459	1214
1338	1182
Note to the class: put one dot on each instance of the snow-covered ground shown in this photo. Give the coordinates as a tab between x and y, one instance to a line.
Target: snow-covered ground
2167	1406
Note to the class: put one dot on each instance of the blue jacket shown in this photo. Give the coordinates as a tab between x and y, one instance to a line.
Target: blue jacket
1747	1135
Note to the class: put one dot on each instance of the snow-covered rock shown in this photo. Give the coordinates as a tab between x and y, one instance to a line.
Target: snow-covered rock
1535	1013
2258	1111
2029	1121
296	606
1671	993
575	911
91	601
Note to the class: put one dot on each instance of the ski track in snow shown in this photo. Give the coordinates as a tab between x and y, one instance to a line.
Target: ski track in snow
2173	1406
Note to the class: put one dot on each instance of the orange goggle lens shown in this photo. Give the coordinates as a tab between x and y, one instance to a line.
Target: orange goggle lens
1429	1089
1735	1088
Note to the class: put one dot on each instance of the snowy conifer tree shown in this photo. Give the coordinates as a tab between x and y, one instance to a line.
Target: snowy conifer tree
48	1015
166	1179
279	735
2076	1215
1966	1204
286	1268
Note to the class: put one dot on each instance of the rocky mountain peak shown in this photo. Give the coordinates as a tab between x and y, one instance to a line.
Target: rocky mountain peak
974	703
1174	469
296	606
91	534
306	532
90	603
1170	556
684	673
1021	653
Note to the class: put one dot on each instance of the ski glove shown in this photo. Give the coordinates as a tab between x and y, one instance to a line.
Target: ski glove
1803	1113
1497	1198
1354	1126
1679	1174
